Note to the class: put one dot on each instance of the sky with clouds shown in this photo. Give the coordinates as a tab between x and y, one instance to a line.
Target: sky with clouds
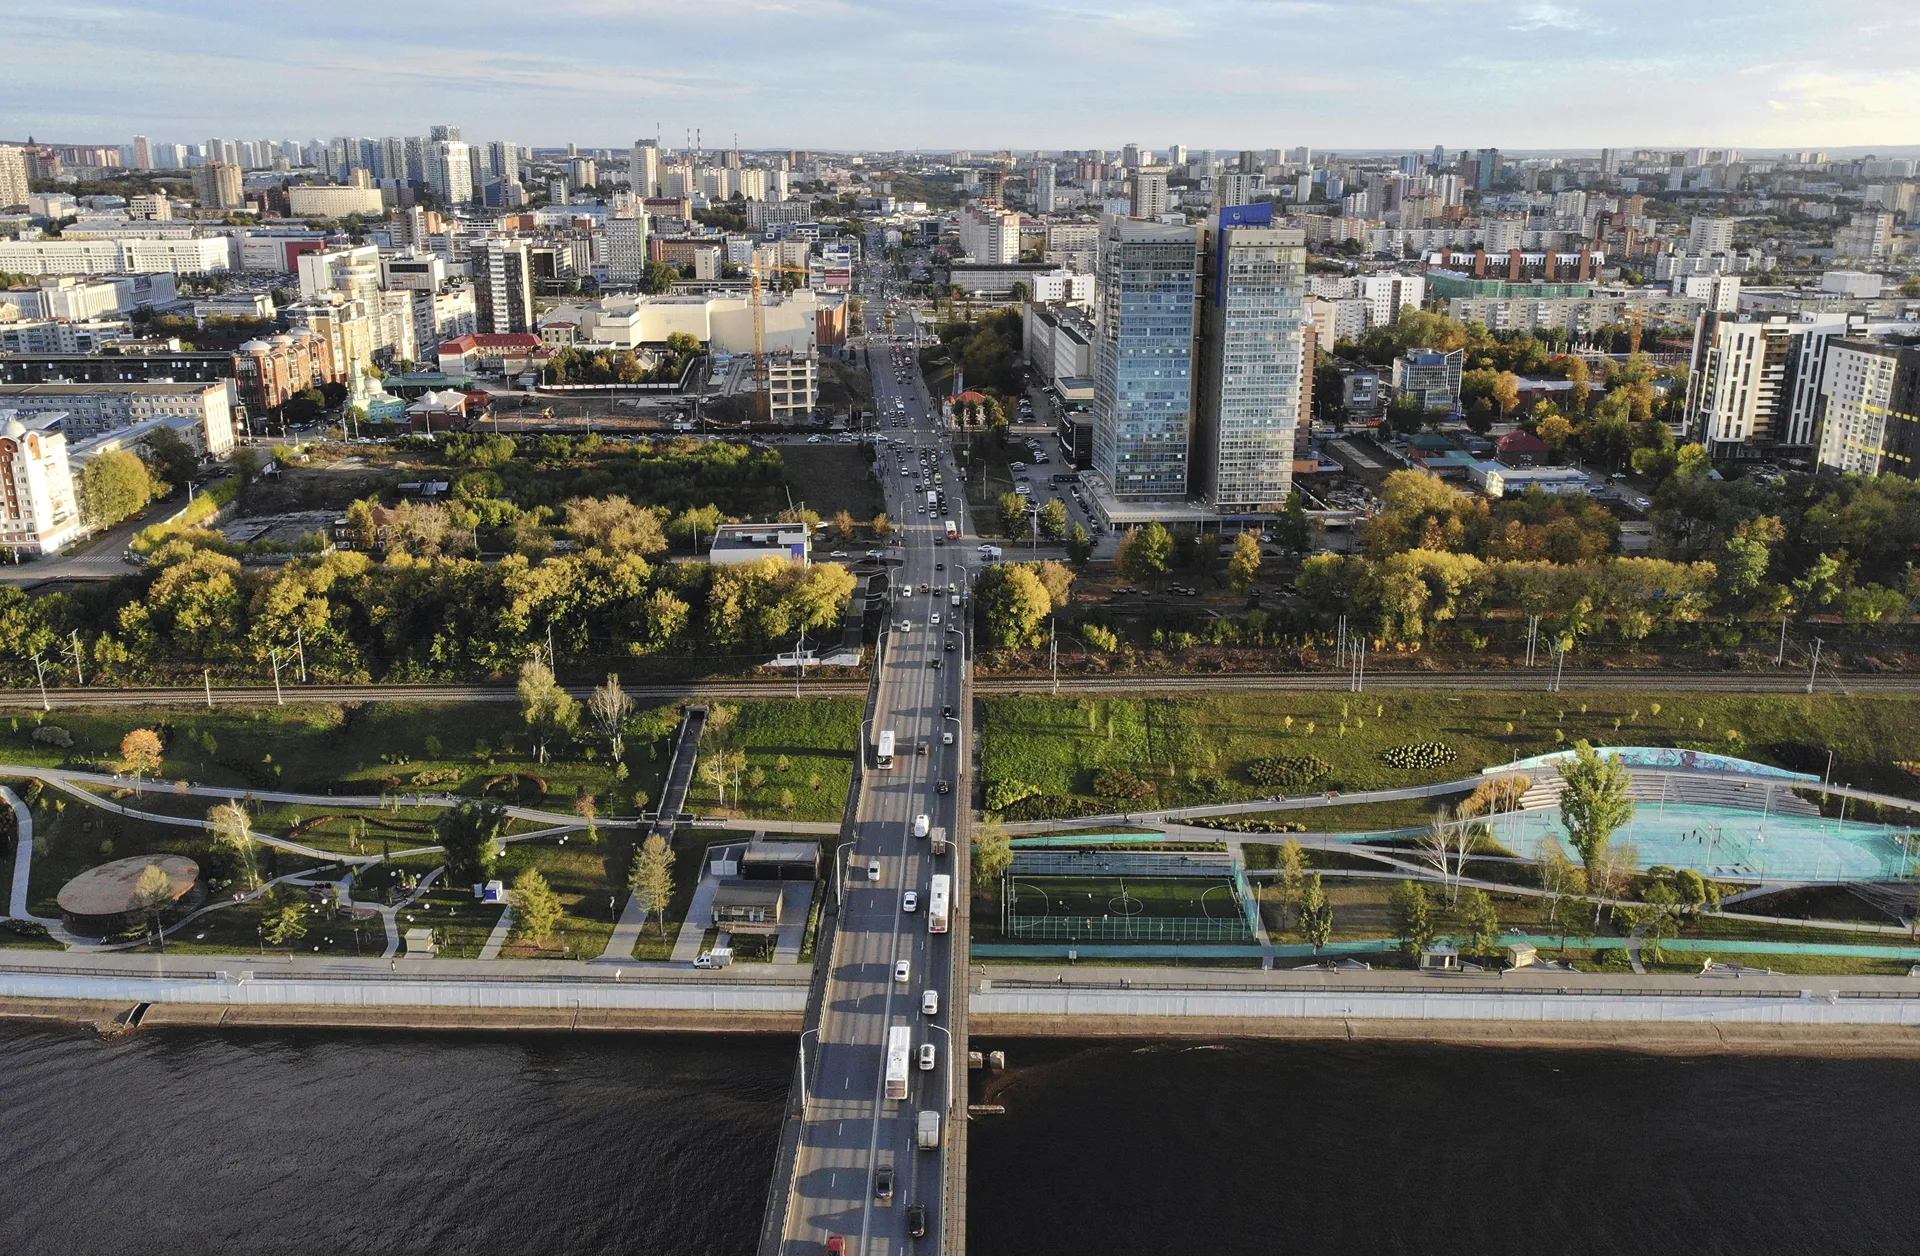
982	74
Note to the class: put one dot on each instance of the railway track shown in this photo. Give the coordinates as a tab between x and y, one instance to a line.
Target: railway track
1537	680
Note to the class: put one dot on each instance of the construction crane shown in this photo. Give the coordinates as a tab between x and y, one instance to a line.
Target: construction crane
1636	323
762	386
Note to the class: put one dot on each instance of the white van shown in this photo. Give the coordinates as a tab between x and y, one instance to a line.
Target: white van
920	825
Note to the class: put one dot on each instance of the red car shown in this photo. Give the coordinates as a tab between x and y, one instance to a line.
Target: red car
836	1242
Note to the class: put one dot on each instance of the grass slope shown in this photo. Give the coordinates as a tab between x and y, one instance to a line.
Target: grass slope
1196	749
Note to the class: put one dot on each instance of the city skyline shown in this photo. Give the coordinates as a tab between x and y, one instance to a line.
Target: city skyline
1539	75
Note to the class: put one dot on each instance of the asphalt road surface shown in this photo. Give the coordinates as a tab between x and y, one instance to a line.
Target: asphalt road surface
851	1129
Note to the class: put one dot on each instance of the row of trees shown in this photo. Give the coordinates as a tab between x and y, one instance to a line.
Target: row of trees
1434	554
416	617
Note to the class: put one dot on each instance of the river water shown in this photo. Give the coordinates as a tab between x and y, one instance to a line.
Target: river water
1265	1147
321	1142
325	1142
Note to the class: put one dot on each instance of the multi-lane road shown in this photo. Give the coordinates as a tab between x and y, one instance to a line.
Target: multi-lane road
854	1140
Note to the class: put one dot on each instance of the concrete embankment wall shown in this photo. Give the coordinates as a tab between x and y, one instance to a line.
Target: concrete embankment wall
1734	1019
236	998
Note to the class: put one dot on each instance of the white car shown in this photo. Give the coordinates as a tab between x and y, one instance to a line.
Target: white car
910	901
906	625
900	970
873	869
927	1057
946	738
921	824
930	1002
936	621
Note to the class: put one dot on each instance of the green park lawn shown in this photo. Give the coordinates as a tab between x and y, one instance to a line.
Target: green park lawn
363	748
70	837
816	738
1197	749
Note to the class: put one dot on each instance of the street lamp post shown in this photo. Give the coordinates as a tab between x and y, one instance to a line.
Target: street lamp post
840	873
949	1070
805	1096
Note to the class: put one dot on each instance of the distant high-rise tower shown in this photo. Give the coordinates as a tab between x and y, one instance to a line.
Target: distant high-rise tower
451	172
219	186
1043	189
14	186
643	168
1143	373
142	153
444	131
1149	194
1252	361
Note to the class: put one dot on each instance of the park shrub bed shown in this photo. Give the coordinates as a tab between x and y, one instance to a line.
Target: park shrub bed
1421	755
1120	783
1291	771
1054	807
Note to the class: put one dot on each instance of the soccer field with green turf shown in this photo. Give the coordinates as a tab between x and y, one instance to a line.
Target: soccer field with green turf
1090	897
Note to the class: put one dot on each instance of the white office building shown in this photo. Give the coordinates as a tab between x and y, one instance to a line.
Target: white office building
40	511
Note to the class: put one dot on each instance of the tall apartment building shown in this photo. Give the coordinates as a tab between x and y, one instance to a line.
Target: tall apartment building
1867	237
345	326
1235	188
1252	361
1149	194
450	172
626	239
1709	235
1756	385
142	153
219	186
1143	381
1871	419
14	185
989	234
503	286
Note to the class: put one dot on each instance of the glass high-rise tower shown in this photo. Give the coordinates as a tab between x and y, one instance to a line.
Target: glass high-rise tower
1143	374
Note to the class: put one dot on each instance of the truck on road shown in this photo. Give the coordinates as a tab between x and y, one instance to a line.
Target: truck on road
927	1131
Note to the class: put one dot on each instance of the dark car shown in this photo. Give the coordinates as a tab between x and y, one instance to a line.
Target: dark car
917	1221
944	787
883	1182
948	647
946	712
935	664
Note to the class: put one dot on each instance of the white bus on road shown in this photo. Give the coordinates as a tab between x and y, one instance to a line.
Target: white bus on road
939	891
899	1046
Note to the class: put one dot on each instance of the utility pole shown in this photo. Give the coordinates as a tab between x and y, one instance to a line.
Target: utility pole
78	677
1559	665
206	678
41	669
550	663
1053	654
799	662
1780	655
1340	644
1814	674
278	697
1533	637
300	645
